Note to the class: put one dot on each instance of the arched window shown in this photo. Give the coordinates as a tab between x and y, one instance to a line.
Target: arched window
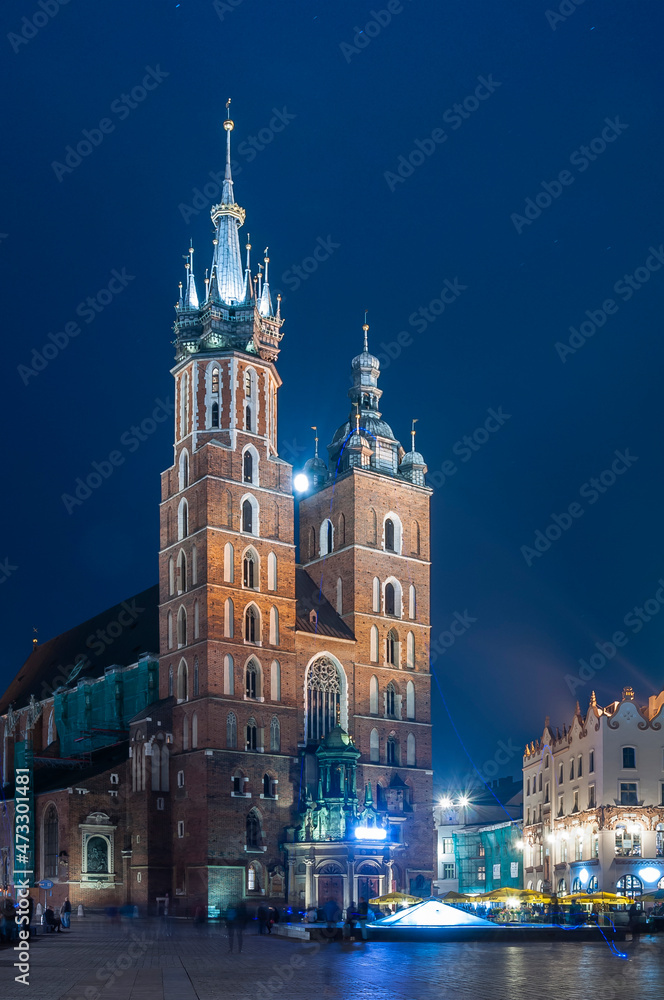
371	526
228	618
248	383
196	680
185	732
410	751
630	885
253	877
215	385
248	467
389	599
183	681
248	423
392	533
170	682
252	685
229	556
184	403
593	884
197	621
375	595
214	414
271	571
182	626
392	750
51	842
410	700
268	787
389	534
229	674
275	680
194	731
169	628
182	572
323	698
275	735
410	651
326	537
253	831
392	648
373	696
183	471
373	644
340	596
183	519
412	602
194	566
252	629
251	741
231	731
247	517
390	701
250	570
374	747
274	626
97	855
171	577
562	887
215	381
415	538
341	531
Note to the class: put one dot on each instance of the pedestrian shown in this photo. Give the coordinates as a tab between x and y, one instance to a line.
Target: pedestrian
241	920
634	921
229	918
363	910
65	912
350	922
51	921
331	913
263	915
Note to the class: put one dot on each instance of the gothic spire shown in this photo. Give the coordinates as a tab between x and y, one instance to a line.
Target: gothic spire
191	295
265	304
227	217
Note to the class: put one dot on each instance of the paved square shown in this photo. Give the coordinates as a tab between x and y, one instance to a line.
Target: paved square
99	961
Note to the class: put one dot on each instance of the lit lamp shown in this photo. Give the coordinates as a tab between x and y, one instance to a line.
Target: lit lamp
301	482
370	833
649	873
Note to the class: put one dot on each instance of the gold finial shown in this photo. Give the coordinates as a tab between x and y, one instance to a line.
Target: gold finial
316	437
412	433
228	124
365	327
35	640
357	416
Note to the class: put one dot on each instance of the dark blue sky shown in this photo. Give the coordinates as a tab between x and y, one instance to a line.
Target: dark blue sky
356	107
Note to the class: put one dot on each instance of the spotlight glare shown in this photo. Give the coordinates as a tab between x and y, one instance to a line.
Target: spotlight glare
301	482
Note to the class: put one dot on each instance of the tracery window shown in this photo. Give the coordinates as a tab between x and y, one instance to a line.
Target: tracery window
323	699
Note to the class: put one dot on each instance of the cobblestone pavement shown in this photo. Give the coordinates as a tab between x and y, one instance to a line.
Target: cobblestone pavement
97	961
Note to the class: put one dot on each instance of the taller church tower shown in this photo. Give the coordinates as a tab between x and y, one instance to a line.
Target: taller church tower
227	571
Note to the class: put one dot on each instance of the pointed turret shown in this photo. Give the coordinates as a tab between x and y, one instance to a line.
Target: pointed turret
190	295
227	217
413	466
265	303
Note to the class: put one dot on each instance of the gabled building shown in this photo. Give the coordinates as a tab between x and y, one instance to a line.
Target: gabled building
594	800
282	748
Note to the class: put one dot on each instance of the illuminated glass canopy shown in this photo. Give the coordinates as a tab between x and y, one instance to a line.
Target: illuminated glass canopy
433	913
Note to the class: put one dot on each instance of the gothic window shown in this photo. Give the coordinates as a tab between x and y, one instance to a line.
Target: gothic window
392	648
183	520
248	467
229	674
253	831
194	731
274	626
373	696
229	556
412	602
326	537
250	515
247	419
389	599
251	624
182	572
323	698
182	627
375	595
215	381
341	531
253	878
415	538
231	731
410	700
194	566
169	629
250	570
252	680
340	596
184	403
171	577
228	617
390	701
374	747
247	384
197	621
183	681
392	750
271	571
312	543
275	735
373	644
268	787
410	751
170	681
410	651
275	680
97	855
214	418
389	534
51	843
251	741
196	677
183	471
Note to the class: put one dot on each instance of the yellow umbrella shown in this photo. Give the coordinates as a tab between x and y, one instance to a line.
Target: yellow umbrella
394	897
596	897
522	895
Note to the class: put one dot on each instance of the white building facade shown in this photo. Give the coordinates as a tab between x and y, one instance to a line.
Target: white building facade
593	801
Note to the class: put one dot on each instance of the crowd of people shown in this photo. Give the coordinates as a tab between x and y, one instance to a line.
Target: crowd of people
50	919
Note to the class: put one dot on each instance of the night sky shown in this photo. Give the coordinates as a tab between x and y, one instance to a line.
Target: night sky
337	111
